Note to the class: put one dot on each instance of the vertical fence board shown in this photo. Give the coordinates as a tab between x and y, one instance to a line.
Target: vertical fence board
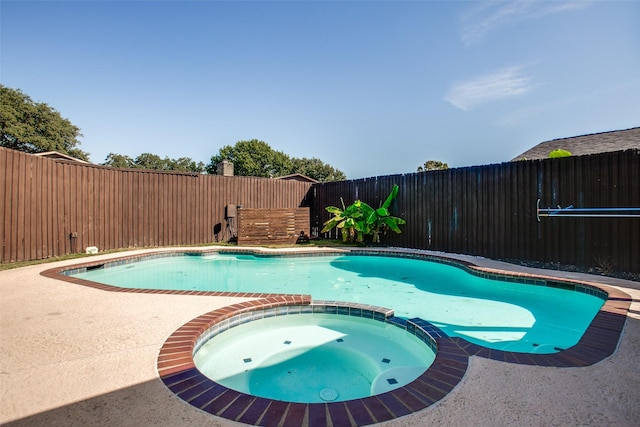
23	207
102	208
122	195
5	219
115	210
633	178
75	193
11	209
32	201
41	212
47	224
131	237
58	208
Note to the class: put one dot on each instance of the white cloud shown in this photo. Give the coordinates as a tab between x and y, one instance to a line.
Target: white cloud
502	84
489	16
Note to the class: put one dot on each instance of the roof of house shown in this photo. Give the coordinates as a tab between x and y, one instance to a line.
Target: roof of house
298	177
54	155
587	144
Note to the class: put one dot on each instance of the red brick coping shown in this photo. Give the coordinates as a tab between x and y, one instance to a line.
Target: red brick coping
179	373
177	369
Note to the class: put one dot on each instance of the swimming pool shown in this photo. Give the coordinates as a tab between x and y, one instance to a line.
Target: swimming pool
176	368
314	357
535	317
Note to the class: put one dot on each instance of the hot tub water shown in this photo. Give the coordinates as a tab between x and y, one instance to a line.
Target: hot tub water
314	358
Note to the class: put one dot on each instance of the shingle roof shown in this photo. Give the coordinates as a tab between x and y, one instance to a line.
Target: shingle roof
54	155
298	177
587	144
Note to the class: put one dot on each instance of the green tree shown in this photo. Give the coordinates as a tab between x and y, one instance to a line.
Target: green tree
153	161
119	161
252	158
150	161
186	164
257	158
316	169
34	127
433	165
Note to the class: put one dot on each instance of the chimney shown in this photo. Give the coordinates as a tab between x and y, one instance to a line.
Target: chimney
225	168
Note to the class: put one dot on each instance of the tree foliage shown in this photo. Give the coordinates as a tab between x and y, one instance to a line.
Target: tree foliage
118	161
35	127
252	158
316	169
187	164
433	165
558	153
154	162
257	158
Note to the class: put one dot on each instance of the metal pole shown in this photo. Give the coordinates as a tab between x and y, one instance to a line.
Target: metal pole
570	211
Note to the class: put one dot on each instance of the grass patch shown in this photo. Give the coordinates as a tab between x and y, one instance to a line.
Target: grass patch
18	264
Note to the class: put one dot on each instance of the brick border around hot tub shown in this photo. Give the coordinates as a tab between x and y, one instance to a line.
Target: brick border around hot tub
179	373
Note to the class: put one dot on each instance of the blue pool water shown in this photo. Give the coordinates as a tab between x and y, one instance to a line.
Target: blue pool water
492	313
314	358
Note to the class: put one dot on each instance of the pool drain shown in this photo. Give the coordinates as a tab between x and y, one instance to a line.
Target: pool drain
328	394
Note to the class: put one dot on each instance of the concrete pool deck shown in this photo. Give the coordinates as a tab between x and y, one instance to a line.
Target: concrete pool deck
75	355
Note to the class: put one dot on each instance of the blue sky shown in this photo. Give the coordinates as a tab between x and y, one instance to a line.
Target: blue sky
370	87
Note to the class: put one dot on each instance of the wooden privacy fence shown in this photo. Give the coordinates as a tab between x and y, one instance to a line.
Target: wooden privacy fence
272	226
50	208
491	210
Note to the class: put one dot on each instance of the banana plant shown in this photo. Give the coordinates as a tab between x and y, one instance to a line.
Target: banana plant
349	220
359	219
381	220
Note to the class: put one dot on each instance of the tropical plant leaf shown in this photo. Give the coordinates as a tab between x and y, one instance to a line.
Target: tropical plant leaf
334	210
382	211
372	218
366	209
391	196
335	221
392	222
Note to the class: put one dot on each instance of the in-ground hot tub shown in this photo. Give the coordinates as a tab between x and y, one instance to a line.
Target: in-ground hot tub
395	357
314	357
